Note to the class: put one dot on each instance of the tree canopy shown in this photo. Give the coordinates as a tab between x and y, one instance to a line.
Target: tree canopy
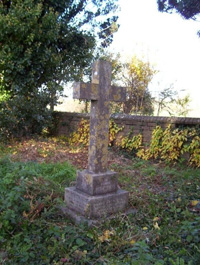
189	9
135	74
50	40
46	42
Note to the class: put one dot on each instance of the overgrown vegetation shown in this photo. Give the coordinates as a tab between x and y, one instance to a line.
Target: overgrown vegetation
81	136
169	145
164	229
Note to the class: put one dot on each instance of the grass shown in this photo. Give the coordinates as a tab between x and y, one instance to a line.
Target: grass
164	230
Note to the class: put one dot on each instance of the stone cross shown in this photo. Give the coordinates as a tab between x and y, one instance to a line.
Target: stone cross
100	92
96	193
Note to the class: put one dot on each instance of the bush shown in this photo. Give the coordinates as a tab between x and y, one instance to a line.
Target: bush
24	116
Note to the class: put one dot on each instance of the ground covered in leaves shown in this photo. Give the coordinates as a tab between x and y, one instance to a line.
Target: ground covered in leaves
165	228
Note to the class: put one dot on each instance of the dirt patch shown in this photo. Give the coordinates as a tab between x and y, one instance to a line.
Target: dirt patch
52	151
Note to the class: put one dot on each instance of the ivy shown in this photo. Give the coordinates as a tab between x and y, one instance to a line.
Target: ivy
81	135
169	145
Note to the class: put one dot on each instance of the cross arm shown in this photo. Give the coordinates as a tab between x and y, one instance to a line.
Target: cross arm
117	94
87	91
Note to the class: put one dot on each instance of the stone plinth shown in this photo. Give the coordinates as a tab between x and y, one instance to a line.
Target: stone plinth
94	207
96	183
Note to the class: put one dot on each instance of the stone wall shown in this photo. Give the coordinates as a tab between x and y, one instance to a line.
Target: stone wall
67	122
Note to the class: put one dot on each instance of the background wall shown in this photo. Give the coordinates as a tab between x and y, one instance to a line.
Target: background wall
67	122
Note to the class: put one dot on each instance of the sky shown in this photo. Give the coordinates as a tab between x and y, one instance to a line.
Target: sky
167	41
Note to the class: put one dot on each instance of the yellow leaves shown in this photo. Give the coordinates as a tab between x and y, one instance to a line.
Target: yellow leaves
113	130
132	242
156	226
155	223
81	136
170	144
106	235
194	203
25	215
132	143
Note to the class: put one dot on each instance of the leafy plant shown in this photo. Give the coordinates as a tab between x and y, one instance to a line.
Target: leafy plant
171	144
163	229
131	144
81	135
45	44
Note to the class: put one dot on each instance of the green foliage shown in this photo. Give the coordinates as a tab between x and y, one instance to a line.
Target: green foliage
155	144
189	9
45	42
164	230
194	149
4	95
42	45
24	116
29	199
172	143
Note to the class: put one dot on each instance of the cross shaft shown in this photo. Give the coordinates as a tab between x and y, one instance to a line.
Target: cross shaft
100	92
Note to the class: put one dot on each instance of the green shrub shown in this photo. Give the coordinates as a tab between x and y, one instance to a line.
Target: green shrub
24	115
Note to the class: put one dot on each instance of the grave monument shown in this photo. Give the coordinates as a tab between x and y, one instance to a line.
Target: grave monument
96	194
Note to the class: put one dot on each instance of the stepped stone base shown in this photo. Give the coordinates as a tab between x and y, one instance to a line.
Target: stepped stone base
80	204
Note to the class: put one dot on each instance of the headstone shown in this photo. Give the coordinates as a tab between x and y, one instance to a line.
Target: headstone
96	194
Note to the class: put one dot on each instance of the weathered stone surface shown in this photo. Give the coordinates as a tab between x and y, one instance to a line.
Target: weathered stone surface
117	94
96	194
99	118
97	206
100	92
85	91
96	183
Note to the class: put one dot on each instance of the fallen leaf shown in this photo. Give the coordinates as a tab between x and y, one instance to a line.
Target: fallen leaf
156	226
132	242
194	203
